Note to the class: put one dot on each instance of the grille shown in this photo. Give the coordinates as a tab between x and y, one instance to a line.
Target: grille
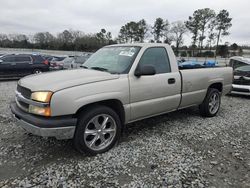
241	82
24	91
22	105
26	106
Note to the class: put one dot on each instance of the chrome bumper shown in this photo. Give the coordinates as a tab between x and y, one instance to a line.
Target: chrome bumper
241	89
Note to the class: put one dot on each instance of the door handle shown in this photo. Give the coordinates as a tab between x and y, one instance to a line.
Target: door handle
171	80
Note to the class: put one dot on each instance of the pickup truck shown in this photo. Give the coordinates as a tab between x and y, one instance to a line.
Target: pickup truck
117	85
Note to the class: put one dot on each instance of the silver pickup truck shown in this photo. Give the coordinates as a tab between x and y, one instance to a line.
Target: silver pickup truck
117	85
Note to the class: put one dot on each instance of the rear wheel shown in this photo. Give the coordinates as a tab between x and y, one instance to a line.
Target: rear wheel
98	129
37	71
211	103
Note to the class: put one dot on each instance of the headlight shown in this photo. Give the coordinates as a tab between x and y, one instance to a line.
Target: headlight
41	96
44	111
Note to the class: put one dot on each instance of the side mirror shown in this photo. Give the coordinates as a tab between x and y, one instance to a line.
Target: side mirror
145	71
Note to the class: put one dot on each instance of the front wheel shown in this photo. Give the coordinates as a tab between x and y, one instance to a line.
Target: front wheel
98	129
211	103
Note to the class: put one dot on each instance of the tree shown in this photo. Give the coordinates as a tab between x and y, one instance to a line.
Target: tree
101	36
199	23
133	31
211	33
234	47
167	35
104	37
65	37
222	50
206	15
109	38
76	34
43	40
123	35
178	29
158	29
129	32
223	23
143	29
193	26
4	40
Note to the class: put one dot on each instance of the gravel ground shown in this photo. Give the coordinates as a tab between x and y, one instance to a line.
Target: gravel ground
180	149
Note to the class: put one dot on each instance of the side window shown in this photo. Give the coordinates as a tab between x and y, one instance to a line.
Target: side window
8	59
37	59
156	57
20	59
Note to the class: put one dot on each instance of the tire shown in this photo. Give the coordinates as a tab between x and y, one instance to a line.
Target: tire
92	136
37	71
211	103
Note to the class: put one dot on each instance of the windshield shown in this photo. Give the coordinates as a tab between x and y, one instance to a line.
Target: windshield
243	68
117	59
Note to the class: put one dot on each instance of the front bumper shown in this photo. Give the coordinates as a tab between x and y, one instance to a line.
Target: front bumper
59	127
241	89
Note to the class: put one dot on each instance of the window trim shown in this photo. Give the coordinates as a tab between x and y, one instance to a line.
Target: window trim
170	69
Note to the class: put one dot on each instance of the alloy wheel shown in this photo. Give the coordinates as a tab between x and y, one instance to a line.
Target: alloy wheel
100	132
214	103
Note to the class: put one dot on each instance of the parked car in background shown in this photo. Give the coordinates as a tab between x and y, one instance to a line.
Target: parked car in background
241	83
69	63
56	63
48	57
16	66
73	62
238	61
81	59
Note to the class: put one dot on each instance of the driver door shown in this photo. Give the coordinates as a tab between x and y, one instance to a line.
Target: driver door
155	94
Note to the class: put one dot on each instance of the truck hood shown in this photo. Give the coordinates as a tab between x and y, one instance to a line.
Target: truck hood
54	81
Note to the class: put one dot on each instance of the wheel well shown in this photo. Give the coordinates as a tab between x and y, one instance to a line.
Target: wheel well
114	104
217	86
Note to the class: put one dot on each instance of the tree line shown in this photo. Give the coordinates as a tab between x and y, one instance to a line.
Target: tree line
67	40
205	25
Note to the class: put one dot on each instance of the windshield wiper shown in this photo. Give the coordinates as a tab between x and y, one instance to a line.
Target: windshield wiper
103	69
85	67
100	69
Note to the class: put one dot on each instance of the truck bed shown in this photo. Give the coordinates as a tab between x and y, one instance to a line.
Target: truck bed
194	90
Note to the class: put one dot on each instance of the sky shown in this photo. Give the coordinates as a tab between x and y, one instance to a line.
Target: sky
30	16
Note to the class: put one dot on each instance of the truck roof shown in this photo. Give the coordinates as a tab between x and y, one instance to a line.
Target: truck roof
242	59
142	44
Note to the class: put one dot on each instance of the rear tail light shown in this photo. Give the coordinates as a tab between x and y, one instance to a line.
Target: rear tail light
46	62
